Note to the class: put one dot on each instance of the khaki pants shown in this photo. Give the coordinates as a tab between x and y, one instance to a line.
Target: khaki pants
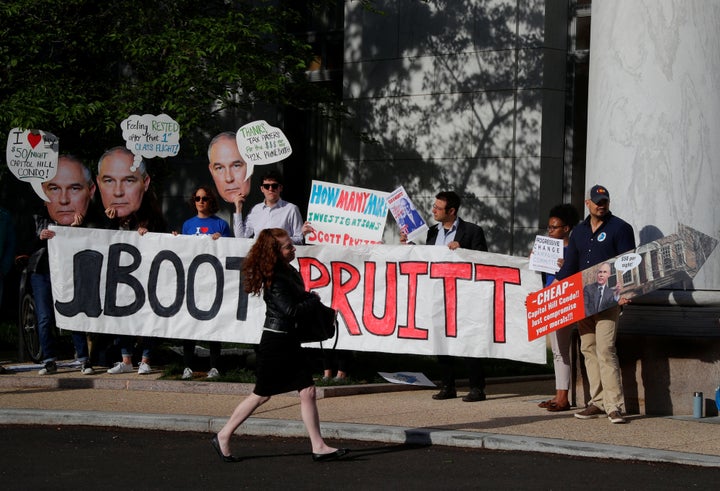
597	344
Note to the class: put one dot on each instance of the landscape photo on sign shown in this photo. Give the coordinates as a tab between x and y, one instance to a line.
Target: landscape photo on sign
658	264
151	136
260	143
32	157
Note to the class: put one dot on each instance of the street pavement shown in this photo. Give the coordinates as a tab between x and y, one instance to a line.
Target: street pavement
389	413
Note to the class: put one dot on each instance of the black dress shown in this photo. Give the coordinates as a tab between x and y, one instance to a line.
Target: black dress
282	365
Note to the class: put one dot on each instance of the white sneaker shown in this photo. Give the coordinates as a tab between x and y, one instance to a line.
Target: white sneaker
121	367
187	374
213	373
86	368
143	368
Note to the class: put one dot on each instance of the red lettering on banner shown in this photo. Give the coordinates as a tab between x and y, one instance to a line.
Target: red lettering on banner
450	273
500	276
340	291
385	325
412	269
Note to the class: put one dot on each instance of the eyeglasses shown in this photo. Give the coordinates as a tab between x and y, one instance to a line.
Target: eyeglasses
436	207
272	186
555	227
201	198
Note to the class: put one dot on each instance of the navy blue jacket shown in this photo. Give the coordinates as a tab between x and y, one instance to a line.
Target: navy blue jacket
614	237
468	235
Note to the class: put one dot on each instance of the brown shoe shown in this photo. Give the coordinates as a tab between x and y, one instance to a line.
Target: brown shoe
475	395
589	412
616	417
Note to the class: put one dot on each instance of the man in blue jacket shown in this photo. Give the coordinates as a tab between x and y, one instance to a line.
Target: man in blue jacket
601	236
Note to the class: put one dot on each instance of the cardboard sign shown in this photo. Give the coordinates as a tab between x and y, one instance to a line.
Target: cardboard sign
658	264
151	136
346	215
32	157
406	215
545	254
260	144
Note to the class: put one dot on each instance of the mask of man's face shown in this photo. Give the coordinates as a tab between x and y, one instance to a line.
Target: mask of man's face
69	192
121	189
228	169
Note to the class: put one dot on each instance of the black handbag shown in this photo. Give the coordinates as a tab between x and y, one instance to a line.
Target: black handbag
317	325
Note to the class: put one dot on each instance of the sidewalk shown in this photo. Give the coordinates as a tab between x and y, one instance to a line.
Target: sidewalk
389	413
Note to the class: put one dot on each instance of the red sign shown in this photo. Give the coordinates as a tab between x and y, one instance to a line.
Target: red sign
555	307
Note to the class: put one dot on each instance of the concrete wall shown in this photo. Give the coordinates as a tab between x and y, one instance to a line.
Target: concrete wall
465	95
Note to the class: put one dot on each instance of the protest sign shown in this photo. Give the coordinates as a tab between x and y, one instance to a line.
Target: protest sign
397	299
261	144
406	215
32	157
545	254
655	265
346	215
151	136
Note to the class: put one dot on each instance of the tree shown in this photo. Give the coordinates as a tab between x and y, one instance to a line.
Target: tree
77	68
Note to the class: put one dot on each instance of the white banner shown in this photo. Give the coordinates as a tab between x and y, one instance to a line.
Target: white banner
396	299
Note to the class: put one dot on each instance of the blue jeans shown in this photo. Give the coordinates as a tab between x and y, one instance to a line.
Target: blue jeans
45	313
127	343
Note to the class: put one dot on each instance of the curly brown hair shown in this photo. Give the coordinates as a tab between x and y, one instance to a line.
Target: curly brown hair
212	199
261	260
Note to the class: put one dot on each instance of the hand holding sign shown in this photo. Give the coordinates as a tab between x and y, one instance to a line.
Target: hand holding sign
151	136
32	156
261	144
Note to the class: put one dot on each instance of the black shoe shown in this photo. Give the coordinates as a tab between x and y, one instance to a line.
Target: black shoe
2	370
50	367
225	458
328	457
445	393
474	395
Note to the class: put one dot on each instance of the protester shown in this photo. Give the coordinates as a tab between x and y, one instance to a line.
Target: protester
456	233
281	364
129	205
273	212
204	202
601	236
69	192
561	221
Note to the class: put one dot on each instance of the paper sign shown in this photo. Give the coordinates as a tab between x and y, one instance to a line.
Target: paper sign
407	378
406	215
32	156
346	215
545	254
261	144
151	136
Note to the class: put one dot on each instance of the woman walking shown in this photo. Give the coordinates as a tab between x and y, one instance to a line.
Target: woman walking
281	365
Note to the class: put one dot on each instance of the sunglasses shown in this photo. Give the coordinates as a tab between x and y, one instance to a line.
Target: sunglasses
272	186
201	198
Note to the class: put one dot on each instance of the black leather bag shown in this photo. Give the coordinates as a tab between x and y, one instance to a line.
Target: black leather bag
318	325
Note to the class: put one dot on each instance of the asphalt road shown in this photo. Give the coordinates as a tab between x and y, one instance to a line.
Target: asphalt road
49	457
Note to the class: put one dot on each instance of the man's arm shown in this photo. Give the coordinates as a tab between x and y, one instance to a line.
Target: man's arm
295	224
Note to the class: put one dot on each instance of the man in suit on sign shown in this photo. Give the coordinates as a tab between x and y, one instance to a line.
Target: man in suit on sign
599	295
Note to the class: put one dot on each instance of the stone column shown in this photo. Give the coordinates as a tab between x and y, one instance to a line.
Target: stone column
654	120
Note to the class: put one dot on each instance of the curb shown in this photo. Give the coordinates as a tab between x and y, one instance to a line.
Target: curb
353	431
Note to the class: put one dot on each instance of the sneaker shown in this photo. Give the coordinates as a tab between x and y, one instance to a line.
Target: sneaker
213	373
143	368
50	367
616	417
445	393
589	412
187	374
120	367
87	368
475	395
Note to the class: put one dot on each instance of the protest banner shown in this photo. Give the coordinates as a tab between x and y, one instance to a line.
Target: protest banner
406	215
346	215
651	266
396	299
32	157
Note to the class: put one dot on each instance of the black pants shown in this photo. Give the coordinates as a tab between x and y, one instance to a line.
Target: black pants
474	367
